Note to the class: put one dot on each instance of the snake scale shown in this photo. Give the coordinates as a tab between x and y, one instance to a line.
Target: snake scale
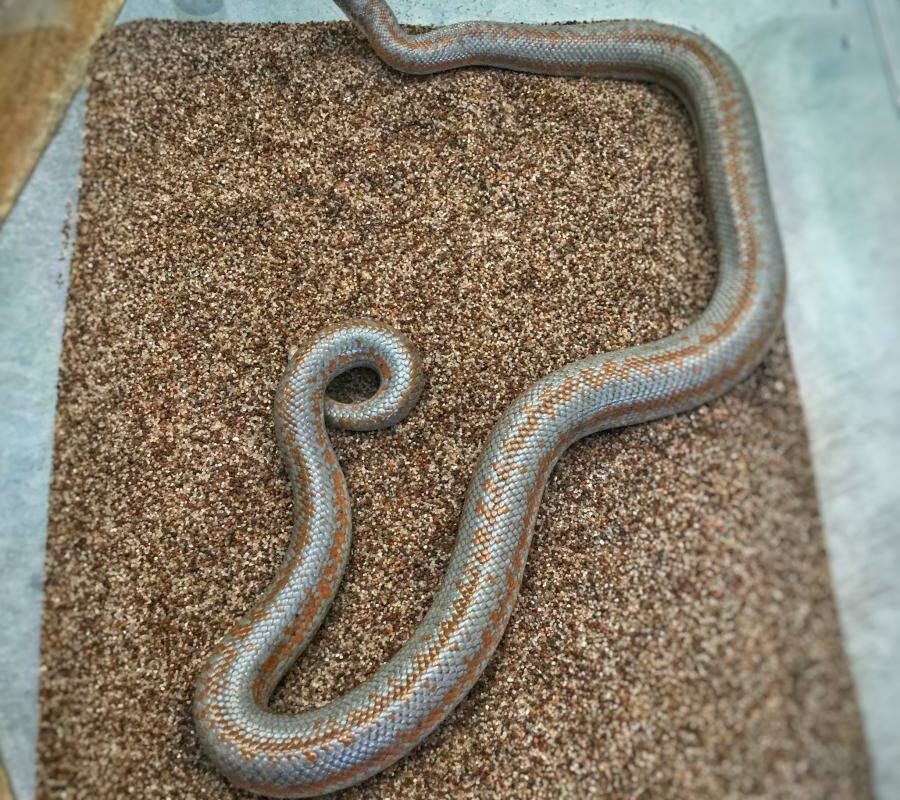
372	726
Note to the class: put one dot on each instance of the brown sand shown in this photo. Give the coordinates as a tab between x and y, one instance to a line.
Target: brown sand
243	186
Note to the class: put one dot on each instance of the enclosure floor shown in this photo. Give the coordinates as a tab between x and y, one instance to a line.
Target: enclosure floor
243	186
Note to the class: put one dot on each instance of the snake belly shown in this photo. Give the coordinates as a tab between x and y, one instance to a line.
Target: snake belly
372	726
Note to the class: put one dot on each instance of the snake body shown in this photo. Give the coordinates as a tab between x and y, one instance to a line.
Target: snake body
362	732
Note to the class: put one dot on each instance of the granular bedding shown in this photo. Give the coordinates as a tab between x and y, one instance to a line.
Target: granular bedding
243	186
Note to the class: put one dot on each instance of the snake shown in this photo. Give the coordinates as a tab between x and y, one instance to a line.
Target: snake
364	731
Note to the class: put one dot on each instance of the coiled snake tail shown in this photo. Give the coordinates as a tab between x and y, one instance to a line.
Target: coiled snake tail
247	664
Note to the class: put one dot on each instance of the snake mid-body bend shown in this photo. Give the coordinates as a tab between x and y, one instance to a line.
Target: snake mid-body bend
375	724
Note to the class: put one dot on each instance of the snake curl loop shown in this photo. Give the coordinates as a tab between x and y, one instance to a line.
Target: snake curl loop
372	726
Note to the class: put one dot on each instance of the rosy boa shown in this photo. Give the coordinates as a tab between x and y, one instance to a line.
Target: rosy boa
378	722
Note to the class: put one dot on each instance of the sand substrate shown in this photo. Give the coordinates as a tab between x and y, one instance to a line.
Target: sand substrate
242	187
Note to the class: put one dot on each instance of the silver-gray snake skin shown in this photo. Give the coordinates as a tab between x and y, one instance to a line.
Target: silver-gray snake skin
378	722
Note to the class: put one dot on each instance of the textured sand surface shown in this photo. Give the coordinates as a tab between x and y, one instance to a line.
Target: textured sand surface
243	186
